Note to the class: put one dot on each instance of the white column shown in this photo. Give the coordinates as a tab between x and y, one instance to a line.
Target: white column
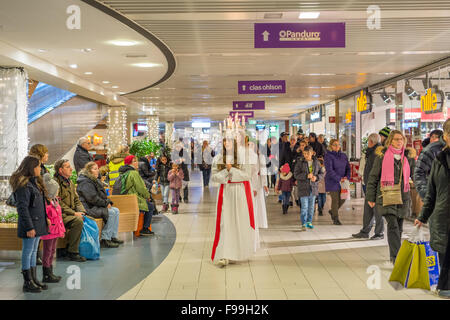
13	123
169	134
117	129
153	128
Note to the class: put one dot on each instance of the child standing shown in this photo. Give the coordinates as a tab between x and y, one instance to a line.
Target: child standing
307	172
162	171
285	185
322	198
176	182
56	229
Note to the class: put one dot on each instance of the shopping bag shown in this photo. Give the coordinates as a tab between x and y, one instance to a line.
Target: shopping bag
418	272
89	242
402	263
432	260
345	190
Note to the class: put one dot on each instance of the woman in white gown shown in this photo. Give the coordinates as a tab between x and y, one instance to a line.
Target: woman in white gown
235	223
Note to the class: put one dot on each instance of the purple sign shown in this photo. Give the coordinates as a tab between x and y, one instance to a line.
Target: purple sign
299	35
249	105
263	86
245	114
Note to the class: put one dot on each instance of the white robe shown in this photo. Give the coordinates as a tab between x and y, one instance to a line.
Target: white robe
259	181
237	237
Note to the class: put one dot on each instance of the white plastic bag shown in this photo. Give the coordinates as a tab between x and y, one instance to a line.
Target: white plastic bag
345	190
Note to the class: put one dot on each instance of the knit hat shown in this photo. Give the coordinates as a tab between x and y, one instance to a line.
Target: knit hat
385	132
285	168
51	185
129	159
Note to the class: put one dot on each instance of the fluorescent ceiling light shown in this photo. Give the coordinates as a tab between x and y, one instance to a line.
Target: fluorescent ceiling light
73	65
309	15
146	65
86	50
42	50
114	87
88	73
315	95
123	43
106	82
201	124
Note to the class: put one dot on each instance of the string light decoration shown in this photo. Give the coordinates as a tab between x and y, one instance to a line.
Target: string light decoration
117	129
153	128
169	134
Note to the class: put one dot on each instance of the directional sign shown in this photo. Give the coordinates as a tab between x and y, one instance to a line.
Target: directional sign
245	114
299	35
249	105
262	86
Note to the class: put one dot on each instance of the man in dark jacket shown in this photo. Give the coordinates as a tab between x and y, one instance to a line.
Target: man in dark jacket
285	152
423	165
82	156
71	207
318	148
370	214
146	172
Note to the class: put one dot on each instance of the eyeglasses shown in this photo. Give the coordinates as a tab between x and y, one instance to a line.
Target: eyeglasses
397	139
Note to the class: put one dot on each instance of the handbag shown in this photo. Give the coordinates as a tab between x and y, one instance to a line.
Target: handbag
392	195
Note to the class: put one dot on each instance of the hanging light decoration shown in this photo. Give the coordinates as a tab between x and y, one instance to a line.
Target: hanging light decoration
153	128
117	129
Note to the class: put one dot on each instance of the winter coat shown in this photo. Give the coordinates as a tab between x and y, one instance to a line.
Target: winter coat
286	155
207	157
286	182
134	184
70	202
436	206
318	148
369	159
337	167
54	214
306	187
81	157
374	184
183	164
116	161
321	185
162	171
423	166
176	180
31	210
145	170
93	196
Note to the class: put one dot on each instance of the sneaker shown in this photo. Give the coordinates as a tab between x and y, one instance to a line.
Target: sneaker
75	257
115	240
146	232
309	225
303	227
377	237
108	244
360	235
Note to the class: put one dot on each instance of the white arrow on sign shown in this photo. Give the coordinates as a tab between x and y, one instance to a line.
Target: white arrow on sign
243	87
266	35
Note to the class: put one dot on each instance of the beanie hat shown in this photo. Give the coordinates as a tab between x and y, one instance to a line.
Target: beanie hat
51	186
129	159
285	168
385	132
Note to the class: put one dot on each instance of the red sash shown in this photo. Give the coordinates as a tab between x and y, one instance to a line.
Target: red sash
248	194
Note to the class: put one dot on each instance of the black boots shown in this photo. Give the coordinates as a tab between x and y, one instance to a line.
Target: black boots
35	279
285	208
320	212
28	284
186	194
49	277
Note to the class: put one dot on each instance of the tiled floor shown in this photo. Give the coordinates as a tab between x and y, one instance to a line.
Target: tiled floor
323	263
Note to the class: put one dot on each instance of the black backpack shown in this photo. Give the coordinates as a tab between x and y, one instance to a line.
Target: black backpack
117	188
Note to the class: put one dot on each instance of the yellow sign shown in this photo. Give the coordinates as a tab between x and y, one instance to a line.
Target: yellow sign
361	102
428	102
348	116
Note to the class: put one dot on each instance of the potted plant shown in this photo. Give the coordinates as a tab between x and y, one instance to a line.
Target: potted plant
141	148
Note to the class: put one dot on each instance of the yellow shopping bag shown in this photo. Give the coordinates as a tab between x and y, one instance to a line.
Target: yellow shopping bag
418	272
402	263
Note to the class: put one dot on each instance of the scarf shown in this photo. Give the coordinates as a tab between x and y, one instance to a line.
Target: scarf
387	169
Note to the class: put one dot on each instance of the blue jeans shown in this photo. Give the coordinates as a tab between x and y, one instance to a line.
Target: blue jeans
29	251
322	199
148	215
165	193
112	225
285	197
307	209
206	176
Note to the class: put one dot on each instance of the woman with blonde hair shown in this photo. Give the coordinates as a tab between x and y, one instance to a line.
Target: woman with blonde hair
41	152
436	210
393	165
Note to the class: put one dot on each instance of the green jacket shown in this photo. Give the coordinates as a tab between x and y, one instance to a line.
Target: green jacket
70	202
374	183
134	184
436	206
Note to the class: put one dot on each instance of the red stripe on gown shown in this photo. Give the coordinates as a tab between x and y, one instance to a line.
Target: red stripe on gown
248	194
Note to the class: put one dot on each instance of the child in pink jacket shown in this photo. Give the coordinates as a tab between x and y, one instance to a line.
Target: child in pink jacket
56	229
175	177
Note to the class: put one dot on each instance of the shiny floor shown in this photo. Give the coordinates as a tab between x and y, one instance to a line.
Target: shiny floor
323	263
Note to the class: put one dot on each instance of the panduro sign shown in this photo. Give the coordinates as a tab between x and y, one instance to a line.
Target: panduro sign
432	101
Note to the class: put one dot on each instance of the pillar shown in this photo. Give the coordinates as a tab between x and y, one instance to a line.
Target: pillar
169	134
153	128
336	113
117	129
13	123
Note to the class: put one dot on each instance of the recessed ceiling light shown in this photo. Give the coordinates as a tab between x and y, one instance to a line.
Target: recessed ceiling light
114	87
88	73
123	43
146	65
42	50
73	65
87	50
309	15
106	82
121	92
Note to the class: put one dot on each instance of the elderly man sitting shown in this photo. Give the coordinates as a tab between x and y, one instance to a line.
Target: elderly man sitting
82	156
